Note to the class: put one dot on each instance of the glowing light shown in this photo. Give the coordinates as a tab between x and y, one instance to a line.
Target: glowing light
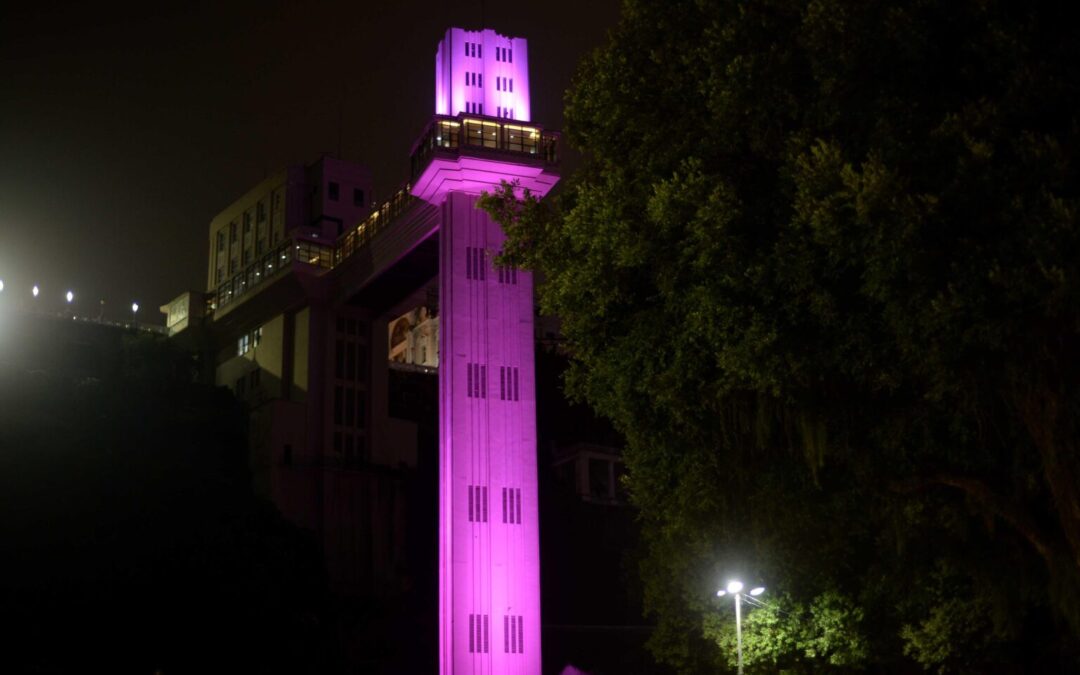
134	308
1	285
35	290
757	591
721	593
734	586
70	297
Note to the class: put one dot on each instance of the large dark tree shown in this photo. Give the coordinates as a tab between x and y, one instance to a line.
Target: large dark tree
821	268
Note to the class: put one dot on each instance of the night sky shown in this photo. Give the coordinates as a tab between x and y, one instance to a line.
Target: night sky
125	128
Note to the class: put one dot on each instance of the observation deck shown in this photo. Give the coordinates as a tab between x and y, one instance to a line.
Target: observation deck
473	154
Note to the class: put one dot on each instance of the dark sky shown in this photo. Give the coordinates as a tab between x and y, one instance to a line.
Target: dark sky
124	128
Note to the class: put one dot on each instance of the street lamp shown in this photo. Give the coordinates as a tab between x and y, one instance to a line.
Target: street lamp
1	285
70	297
735	588
35	290
134	308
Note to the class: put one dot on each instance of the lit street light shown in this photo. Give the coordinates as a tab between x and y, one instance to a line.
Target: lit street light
35	290
735	589
1	285
70	297
134	308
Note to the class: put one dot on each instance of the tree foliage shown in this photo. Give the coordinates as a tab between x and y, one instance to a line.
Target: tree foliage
821	268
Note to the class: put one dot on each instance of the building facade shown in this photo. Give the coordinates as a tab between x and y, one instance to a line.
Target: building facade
312	292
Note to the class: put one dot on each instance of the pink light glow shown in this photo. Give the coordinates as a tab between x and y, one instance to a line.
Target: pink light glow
474	175
489	539
501	64
489	534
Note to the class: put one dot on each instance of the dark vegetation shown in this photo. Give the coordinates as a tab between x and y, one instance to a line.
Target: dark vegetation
821	268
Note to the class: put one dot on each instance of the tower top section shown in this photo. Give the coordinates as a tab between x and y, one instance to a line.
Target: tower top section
480	72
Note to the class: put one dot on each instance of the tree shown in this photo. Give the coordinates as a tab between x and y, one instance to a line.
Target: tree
820	267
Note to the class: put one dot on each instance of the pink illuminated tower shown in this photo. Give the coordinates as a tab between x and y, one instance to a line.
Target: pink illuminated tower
489	558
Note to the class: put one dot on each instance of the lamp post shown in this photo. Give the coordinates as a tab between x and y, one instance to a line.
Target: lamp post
735	588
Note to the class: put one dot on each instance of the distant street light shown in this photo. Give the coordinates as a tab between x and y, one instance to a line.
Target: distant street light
70	297
1	285
735	589
134	308
35	290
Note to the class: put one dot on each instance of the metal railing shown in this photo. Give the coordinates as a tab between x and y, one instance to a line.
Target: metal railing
449	135
300	250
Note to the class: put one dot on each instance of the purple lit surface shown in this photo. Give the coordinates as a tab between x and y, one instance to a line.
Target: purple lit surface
502	64
474	175
489	540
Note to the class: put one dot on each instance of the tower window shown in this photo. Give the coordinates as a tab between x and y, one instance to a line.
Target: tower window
511	506
476	384
332	191
478	633
478	512
513	634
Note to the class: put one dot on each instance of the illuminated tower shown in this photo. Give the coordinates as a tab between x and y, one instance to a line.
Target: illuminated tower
489	558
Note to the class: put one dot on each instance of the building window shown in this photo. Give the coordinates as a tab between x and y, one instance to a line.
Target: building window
510	55
221	240
248	340
511	506
255	378
357	197
478	633
513	634
478	511
241	387
332	191
475	267
232	233
260	212
476	380
508	383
